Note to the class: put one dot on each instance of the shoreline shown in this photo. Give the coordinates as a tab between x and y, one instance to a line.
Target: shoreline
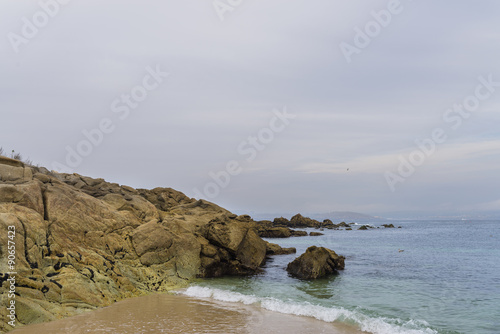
175	313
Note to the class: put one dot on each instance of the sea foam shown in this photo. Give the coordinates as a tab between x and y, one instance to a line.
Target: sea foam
328	314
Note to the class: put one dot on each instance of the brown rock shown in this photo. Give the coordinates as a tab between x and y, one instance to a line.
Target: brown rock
14	171
296	233
83	243
274	249
316	262
275	232
299	221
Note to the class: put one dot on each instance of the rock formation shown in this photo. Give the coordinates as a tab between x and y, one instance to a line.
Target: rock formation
299	221
83	243
316	262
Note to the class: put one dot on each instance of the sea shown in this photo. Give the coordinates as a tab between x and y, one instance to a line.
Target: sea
439	277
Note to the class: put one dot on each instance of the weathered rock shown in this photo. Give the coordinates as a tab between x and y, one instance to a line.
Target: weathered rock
275	232
274	249
316	262
297	233
27	194
244	252
314	234
388	225
83	243
14	171
281	222
299	221
327	223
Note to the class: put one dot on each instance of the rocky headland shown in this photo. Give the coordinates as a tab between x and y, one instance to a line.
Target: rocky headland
81	243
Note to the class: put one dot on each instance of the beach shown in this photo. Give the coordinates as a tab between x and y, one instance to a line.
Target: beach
171	313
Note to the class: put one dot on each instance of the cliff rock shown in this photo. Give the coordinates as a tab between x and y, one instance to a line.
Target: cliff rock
83	243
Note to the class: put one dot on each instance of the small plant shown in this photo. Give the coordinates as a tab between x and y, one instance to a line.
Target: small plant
17	156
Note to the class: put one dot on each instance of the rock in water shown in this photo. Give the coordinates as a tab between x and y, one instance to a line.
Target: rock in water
274	249
316	262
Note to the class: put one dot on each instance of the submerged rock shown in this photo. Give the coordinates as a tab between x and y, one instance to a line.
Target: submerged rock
316	262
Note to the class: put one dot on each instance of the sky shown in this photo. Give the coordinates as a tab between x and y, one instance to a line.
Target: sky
383	107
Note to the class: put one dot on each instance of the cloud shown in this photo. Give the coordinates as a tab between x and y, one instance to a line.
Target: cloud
227	76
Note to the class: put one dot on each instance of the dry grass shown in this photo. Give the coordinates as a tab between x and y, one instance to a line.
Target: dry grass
16	156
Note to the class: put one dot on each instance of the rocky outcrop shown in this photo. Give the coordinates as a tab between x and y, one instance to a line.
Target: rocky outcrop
315	234
316	262
298	233
299	221
274	249
233	248
83	243
365	227
14	171
266	229
275	232
388	225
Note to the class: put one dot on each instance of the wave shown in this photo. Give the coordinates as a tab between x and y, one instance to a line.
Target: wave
367	323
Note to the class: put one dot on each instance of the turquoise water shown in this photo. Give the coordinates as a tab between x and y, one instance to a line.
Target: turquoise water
446	279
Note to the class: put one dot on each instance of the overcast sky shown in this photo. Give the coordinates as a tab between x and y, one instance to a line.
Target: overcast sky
293	106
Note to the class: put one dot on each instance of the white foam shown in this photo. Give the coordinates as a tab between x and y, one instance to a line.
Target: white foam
218	294
327	314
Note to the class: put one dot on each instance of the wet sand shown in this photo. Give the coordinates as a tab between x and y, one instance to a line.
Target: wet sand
167	313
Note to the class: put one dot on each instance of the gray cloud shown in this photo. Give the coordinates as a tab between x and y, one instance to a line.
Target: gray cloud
225	79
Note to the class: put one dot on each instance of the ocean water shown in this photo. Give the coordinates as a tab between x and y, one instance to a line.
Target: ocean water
445	280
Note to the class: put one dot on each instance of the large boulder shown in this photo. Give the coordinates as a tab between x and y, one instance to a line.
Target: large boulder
316	262
275	232
300	221
233	248
281	221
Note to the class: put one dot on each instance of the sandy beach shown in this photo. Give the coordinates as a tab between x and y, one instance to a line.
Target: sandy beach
168	313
